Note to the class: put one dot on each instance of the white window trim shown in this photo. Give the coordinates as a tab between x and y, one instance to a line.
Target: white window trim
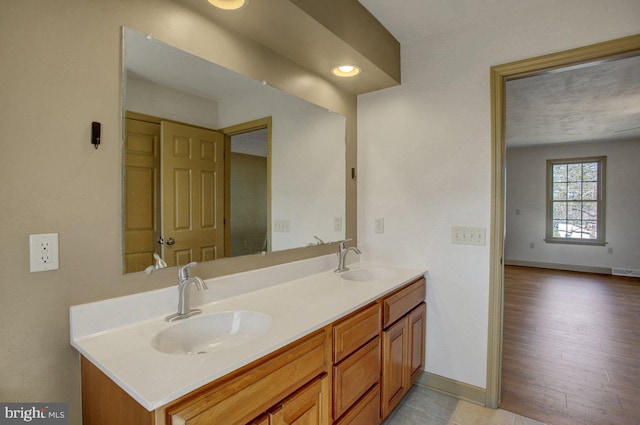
601	240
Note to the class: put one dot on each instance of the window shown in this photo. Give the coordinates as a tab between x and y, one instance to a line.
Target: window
575	201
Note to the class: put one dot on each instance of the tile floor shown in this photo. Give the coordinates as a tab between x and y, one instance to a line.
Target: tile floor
423	406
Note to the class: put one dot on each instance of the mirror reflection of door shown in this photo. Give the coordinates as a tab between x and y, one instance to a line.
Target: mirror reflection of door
248	191
192	161
142	196
174	192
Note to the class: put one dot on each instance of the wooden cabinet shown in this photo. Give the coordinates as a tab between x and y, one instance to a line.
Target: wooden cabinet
352	372
365	412
240	397
354	331
404	319
394	376
417	322
356	370
262	420
305	407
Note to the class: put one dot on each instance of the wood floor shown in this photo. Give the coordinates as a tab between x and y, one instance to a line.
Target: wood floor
571	347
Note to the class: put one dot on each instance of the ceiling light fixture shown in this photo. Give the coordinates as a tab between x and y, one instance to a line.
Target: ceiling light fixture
346	71
228	4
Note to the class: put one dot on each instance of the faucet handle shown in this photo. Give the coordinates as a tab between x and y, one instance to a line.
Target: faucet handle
183	272
341	243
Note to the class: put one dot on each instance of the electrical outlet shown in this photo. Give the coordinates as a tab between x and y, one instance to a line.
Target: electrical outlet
281	226
43	252
379	225
337	224
468	235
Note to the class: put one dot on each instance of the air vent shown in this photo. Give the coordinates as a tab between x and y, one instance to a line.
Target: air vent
625	272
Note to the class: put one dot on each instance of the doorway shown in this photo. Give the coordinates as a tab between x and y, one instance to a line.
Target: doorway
247	201
624	47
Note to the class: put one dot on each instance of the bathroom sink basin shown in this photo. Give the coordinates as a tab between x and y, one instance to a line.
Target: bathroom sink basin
212	332
368	274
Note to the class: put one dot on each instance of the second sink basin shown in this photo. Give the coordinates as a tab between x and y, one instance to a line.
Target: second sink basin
368	274
211	332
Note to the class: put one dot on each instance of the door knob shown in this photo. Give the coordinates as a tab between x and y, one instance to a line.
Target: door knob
170	241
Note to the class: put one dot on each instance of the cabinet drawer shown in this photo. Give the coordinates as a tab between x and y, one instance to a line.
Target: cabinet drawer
306	407
366	411
355	331
354	376
242	396
397	305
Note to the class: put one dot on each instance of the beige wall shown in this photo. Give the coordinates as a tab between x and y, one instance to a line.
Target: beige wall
60	70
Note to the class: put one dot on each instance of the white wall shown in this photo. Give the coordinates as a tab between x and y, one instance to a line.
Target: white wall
307	164
424	161
152	99
526	191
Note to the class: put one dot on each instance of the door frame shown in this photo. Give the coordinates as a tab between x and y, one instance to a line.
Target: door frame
233	130
500	74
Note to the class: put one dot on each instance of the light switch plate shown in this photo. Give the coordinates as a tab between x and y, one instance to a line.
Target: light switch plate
281	226
43	252
337	224
379	225
468	235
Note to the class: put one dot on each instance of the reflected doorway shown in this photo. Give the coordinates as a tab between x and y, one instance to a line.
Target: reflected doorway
248	191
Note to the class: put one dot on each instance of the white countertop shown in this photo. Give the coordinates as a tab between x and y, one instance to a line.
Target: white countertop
297	308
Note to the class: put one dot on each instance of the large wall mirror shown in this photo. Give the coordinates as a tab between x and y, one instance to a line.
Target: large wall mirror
217	164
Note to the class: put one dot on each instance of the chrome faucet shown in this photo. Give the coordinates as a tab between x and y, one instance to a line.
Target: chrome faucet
342	253
184	299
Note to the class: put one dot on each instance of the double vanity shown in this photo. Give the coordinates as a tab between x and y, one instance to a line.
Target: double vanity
272	346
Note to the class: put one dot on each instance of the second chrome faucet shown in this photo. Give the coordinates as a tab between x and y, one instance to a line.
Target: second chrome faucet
184	298
342	253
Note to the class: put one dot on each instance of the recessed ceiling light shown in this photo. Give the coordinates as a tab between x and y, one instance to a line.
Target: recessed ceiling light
229	4
346	71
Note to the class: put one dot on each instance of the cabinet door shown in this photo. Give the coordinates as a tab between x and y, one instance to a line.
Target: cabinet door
417	331
365	412
355	376
395	374
308	406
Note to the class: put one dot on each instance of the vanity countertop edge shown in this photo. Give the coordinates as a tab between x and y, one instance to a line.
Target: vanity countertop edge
297	308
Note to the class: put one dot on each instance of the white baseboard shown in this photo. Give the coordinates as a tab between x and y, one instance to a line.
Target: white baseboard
555	266
453	388
616	271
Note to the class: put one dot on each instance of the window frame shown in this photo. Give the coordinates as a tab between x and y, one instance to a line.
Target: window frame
600	240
